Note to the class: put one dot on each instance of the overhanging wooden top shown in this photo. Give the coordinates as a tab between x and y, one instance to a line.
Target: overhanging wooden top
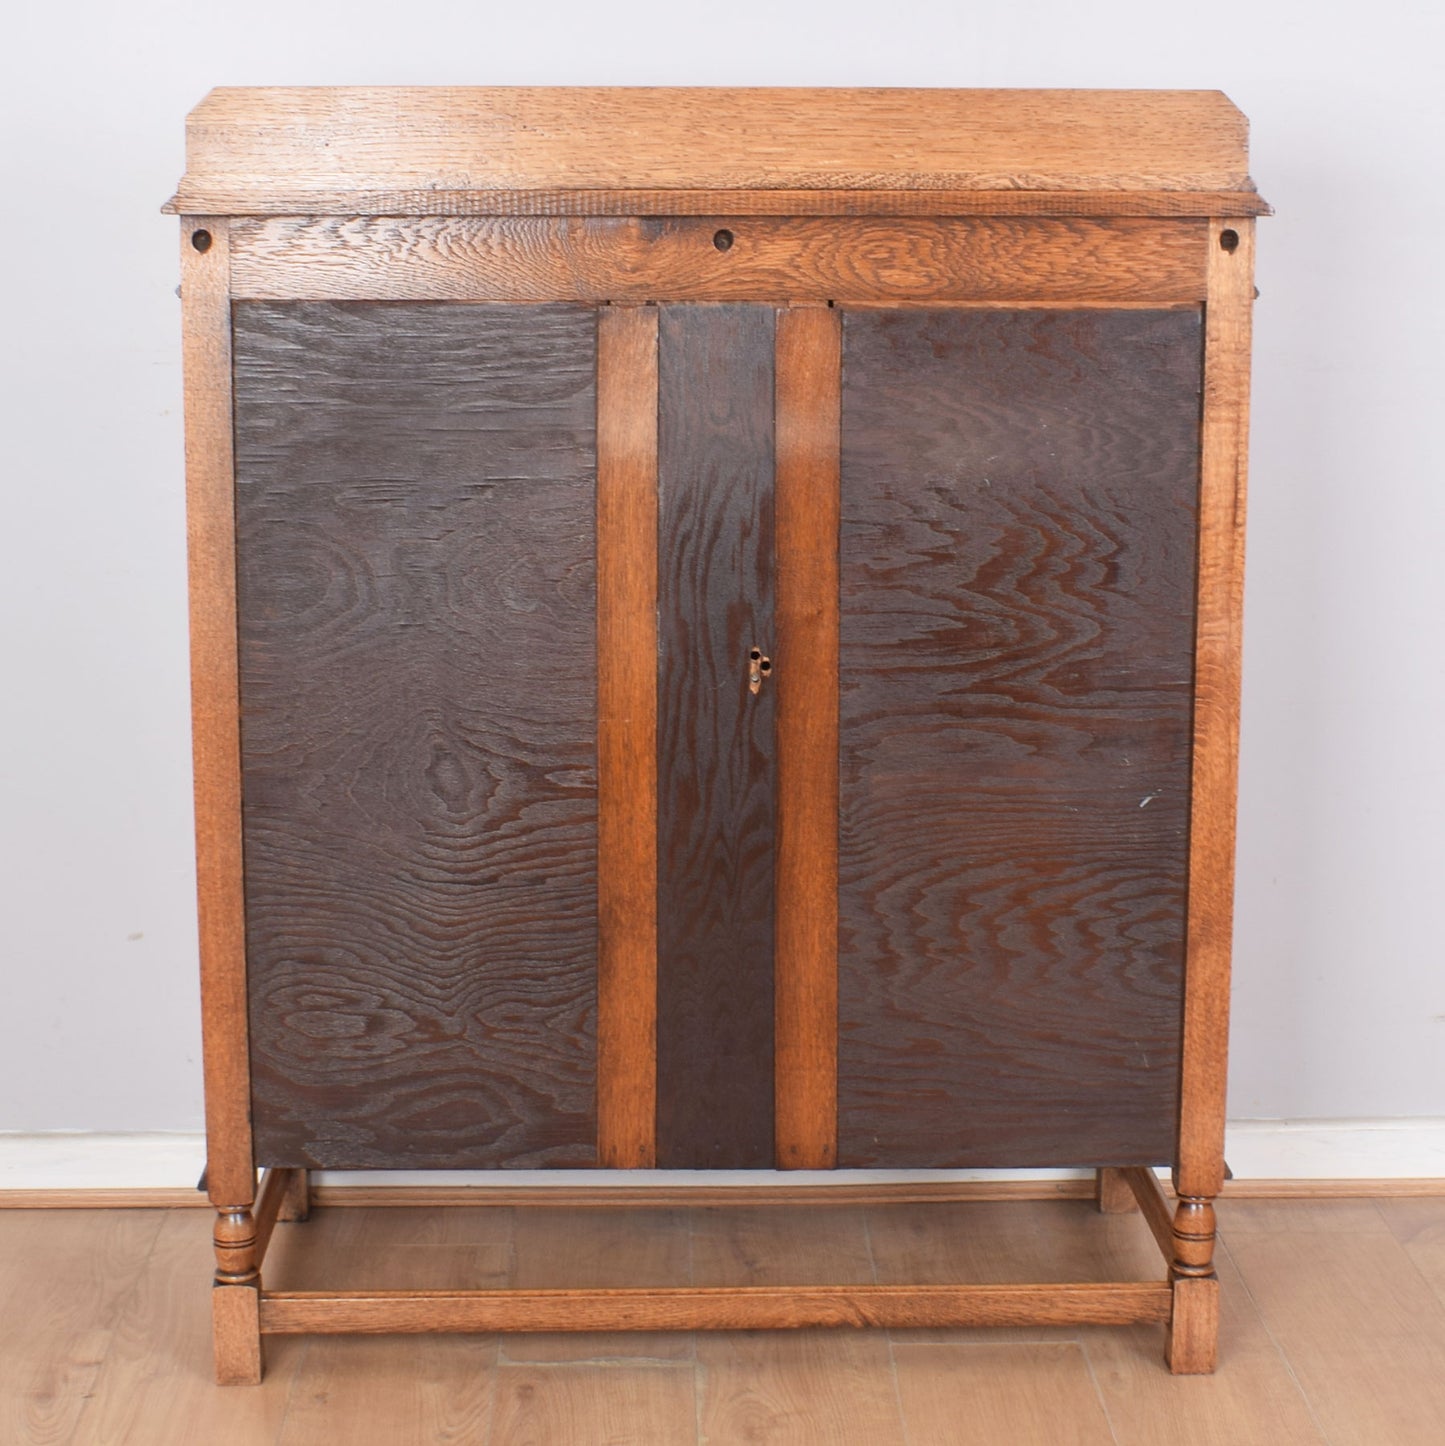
606	150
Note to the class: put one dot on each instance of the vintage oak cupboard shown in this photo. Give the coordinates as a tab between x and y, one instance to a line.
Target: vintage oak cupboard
716	622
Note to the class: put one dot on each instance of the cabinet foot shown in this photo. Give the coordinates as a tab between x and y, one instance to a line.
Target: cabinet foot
236	1327
296	1202
1112	1192
1191	1343
236	1298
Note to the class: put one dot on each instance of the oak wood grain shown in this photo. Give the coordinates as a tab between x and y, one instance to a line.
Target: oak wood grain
715	816
676	259
250	201
1217	667
1018	530
236	1334
415	504
808	380
679	1191
291	147
1153	1204
627	736
275	1186
1191	1342
713	1308
296	1206
215	730
1112	1193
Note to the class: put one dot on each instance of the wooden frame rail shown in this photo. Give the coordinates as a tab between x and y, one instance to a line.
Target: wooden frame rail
714	1308
1085	261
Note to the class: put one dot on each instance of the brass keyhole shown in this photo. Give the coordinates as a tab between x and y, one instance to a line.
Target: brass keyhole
759	666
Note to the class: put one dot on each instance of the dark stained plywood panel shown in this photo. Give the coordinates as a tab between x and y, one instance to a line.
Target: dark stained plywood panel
1019	495
415	513
715	738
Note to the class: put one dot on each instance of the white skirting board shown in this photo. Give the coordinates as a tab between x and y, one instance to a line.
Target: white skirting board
1403	1149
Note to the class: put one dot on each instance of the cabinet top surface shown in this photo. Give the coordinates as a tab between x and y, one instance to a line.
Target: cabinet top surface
575	150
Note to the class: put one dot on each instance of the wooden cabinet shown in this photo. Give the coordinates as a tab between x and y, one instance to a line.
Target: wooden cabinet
716	639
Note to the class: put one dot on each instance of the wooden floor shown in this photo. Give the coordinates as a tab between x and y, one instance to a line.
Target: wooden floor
1334	1331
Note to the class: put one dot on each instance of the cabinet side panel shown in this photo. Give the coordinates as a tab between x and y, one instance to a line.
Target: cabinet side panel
1019	505
715	738
416	537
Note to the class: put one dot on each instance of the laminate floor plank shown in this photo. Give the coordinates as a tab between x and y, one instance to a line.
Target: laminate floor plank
156	1387
392	1248
67	1288
558	1247
1419	1225
798	1388
393	1391
1253	1396
768	1246
626	1403
1021	1393
25	1237
1238	1218
386	1226
408	1267
1361	1327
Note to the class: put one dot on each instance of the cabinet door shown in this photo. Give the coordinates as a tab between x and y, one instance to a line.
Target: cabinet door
1016	650
415	531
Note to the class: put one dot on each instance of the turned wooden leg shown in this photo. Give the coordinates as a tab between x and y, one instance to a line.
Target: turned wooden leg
236	1299
1192	1344
296	1203
1112	1192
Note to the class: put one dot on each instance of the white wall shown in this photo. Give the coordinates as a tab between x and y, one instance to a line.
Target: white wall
1340	998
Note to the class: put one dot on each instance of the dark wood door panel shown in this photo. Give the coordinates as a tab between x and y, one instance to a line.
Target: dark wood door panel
415	514
1019	498
715	738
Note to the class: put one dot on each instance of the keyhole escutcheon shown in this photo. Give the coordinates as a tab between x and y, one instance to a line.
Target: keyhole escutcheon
759	666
